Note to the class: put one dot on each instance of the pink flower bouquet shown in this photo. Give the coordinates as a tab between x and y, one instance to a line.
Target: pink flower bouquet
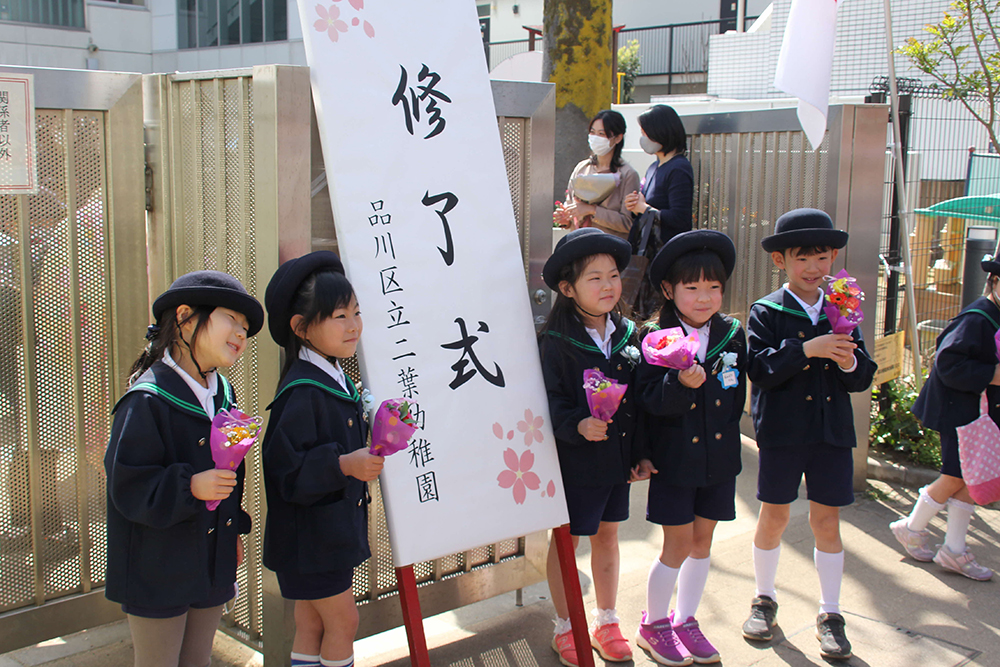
393	426
233	434
603	394
996	339
671	348
842	303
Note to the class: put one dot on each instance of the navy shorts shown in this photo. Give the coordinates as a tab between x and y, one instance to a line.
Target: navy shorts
829	474
216	597
670	505
315	586
950	464
590	505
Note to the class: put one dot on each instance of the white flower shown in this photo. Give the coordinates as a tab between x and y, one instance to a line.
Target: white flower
631	352
367	400
729	359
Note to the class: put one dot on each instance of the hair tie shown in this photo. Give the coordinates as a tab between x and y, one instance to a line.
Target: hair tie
152	331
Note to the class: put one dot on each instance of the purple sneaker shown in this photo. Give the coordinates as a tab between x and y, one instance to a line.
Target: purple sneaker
662	643
694	641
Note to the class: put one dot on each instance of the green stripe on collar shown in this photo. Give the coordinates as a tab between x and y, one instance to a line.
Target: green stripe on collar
352	395
170	398
228	399
592	347
734	327
785	309
984	314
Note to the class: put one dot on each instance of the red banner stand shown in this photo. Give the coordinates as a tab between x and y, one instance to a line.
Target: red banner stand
574	596
406	584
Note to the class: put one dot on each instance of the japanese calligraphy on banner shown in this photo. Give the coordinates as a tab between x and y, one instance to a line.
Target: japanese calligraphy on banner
427	234
18	169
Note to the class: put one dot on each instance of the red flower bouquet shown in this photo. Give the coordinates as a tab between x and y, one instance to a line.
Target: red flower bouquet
603	395
671	348
843	303
233	434
392	427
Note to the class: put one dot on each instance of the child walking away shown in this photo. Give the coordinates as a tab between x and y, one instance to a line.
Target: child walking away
693	435
585	332
964	367
316	465
800	374
171	560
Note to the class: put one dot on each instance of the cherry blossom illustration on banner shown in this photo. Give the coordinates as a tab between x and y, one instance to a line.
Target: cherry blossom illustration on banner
531	428
518	474
332	24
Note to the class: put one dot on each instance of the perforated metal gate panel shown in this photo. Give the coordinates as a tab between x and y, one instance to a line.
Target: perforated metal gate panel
213	180
55	375
743	183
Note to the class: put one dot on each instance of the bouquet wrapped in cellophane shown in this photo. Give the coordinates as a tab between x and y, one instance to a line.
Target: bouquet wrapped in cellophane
842	302
671	348
392	427
604	395
233	434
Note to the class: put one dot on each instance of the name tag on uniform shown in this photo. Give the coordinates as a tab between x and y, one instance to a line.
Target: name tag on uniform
728	378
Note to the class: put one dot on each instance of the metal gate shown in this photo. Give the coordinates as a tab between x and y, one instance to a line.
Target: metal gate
72	289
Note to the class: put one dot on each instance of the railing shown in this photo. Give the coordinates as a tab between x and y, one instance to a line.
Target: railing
664	50
62	13
679	48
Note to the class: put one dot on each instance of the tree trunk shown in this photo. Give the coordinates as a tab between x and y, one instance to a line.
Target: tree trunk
577	58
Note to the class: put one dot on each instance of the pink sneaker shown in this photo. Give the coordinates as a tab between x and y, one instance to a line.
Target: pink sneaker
963	563
608	641
662	643
565	647
694	641
915	542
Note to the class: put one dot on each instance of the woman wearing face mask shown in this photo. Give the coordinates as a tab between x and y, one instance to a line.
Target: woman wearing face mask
662	208
607	136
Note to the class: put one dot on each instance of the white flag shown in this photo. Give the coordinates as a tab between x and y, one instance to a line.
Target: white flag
806	60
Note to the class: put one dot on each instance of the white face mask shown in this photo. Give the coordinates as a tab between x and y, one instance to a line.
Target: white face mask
649	145
599	145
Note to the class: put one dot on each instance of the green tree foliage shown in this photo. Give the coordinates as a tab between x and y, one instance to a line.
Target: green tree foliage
963	57
894	427
628	64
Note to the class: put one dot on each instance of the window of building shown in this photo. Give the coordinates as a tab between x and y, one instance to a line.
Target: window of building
207	23
63	13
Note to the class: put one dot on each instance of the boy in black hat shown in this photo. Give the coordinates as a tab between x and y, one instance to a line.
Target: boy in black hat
801	374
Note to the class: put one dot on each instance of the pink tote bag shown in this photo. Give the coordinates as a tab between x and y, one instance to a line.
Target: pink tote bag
979	454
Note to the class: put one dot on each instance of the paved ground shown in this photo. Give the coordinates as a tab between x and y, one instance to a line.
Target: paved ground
900	613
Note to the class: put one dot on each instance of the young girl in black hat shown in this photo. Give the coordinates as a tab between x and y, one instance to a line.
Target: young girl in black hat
586	330
316	466
692	440
965	366
172	562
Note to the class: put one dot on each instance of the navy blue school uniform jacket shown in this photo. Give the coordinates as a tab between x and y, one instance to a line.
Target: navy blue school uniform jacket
165	548
317	517
963	367
564	358
796	400
693	435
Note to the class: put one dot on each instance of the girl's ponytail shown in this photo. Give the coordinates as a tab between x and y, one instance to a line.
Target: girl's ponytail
163	334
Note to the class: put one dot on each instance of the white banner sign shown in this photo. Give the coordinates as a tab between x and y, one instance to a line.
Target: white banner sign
18	169
427	234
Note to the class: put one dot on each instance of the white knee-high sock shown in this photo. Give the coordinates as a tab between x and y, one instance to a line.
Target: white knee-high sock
659	588
923	511
959	515
830	568
765	570
690	586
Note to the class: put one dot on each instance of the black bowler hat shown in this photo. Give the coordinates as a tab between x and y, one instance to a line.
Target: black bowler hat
211	288
990	264
285	283
685	242
583	243
803	228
